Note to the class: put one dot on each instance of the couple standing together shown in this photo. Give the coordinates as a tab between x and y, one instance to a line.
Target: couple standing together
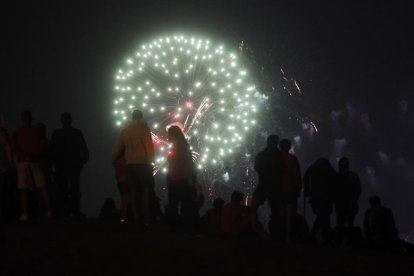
136	148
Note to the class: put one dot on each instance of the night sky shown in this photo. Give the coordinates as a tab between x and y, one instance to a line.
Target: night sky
354	64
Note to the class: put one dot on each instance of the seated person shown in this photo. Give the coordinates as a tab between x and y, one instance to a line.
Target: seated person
235	216
212	218
379	221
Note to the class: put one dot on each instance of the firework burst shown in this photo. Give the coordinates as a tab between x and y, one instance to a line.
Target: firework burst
197	85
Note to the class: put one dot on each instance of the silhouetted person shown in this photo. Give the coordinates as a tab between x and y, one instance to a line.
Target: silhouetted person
269	165
319	183
235	217
199	202
181	182
123	187
291	185
379	224
380	229
347	192
28	146
43	160
212	218
6	165
135	145
109	212
69	154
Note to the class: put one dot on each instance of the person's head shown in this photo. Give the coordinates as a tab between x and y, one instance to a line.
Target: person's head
26	117
343	164
285	145
175	135
375	201
66	119
137	115
218	203
272	141
237	196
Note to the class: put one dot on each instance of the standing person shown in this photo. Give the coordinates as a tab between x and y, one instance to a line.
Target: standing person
182	182
268	165
6	163
123	188
135	145
319	183
347	192
69	154
28	145
43	159
291	185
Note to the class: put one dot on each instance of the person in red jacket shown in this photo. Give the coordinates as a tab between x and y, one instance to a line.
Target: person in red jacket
28	146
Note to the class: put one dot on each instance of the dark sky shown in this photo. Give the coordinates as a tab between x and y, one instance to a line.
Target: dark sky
354	63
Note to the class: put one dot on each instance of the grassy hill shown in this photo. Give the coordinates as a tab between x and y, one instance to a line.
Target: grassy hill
94	248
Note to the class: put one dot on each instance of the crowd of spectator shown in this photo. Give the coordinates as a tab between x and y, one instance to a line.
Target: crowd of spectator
30	163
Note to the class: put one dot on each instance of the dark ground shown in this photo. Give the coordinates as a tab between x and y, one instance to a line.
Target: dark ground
95	248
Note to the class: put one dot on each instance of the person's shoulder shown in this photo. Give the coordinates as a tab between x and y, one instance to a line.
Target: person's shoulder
387	210
353	174
57	133
227	205
127	128
278	153
18	129
142	124
75	130
289	156
262	153
23	128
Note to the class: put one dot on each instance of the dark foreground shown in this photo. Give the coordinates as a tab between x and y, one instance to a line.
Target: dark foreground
95	248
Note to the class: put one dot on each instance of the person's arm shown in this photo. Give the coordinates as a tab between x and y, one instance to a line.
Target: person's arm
358	185
258	163
367	229
119	149
84	149
298	176
307	182
6	143
15	146
53	148
393	229
149	146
